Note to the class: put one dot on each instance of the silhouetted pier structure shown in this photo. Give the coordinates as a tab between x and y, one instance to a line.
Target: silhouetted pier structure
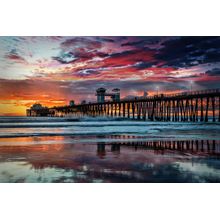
196	106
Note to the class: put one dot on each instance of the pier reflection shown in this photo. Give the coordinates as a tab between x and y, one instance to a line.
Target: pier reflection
101	149
111	159
101	152
209	147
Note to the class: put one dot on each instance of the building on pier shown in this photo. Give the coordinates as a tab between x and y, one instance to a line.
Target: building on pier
37	110
101	94
71	103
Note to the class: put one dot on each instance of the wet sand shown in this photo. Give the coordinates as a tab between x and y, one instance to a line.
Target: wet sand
108	159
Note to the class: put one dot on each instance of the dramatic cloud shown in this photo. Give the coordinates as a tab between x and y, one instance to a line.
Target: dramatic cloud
54	70
190	51
144	41
15	57
213	72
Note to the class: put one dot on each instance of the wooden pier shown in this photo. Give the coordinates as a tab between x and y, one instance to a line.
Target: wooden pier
196	106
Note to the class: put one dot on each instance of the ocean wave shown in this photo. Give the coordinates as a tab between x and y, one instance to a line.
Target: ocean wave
14	120
44	126
151	133
99	124
35	119
94	133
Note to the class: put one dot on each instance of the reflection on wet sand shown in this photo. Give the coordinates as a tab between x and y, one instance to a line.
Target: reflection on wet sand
208	147
115	160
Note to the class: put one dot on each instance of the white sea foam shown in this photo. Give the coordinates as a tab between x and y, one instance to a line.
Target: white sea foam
47	126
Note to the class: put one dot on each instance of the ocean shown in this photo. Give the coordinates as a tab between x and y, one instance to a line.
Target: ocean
101	149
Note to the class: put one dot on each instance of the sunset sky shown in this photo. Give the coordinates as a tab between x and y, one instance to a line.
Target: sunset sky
54	70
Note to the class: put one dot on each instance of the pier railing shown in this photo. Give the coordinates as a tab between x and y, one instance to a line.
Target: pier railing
182	94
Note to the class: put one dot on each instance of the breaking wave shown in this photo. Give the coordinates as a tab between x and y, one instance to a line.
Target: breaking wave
48	126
